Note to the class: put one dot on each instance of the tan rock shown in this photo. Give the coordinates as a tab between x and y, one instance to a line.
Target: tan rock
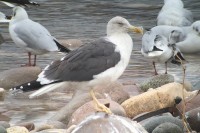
155	99
113	91
17	129
17	76
89	108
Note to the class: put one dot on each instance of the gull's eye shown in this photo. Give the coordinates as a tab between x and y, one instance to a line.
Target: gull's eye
120	23
197	30
158	38
14	13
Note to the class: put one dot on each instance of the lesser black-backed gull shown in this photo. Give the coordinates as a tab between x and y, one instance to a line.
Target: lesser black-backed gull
31	35
157	48
98	63
173	13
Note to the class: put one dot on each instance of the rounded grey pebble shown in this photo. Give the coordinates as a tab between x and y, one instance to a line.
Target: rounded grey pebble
151	123
2	129
4	124
167	128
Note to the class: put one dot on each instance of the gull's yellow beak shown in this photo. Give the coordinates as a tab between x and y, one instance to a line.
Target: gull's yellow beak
136	29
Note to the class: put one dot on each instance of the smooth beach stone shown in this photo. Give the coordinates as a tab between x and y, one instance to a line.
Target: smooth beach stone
28	125
167	128
53	131
71	43
151	123
190	103
156	81
105	123
114	91
17	129
89	108
56	124
2	94
2	129
4	124
193	118
17	76
64	114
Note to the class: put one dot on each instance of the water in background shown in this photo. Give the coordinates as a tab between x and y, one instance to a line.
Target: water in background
84	20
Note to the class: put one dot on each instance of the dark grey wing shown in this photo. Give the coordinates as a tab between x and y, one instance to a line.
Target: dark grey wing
21	2
82	64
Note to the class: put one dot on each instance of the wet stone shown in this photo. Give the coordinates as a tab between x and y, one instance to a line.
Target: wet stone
167	128
2	129
151	123
193	118
53	131
2	93
17	76
89	108
71	43
28	125
104	123
4	124
156	81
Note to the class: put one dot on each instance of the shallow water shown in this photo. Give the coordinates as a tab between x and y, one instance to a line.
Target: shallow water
86	20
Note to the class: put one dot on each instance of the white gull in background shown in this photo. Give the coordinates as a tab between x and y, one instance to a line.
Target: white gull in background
157	49
13	3
173	13
99	63
31	35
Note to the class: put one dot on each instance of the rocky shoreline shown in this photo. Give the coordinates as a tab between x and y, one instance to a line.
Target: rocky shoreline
151	106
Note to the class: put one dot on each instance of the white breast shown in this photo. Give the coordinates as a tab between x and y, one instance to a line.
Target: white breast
124	45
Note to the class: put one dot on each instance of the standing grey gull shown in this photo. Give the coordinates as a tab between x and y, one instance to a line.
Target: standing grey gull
186	38
173	13
157	48
31	35
98	63
13	3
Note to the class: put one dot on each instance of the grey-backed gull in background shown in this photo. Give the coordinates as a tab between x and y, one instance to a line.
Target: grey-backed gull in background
13	3
98	63
157	48
186	38
173	13
31	35
191	43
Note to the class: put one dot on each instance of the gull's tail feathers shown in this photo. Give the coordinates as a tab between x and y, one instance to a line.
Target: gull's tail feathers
46	88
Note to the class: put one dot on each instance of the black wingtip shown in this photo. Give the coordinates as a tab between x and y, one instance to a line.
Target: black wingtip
34	4
178	58
29	86
61	47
